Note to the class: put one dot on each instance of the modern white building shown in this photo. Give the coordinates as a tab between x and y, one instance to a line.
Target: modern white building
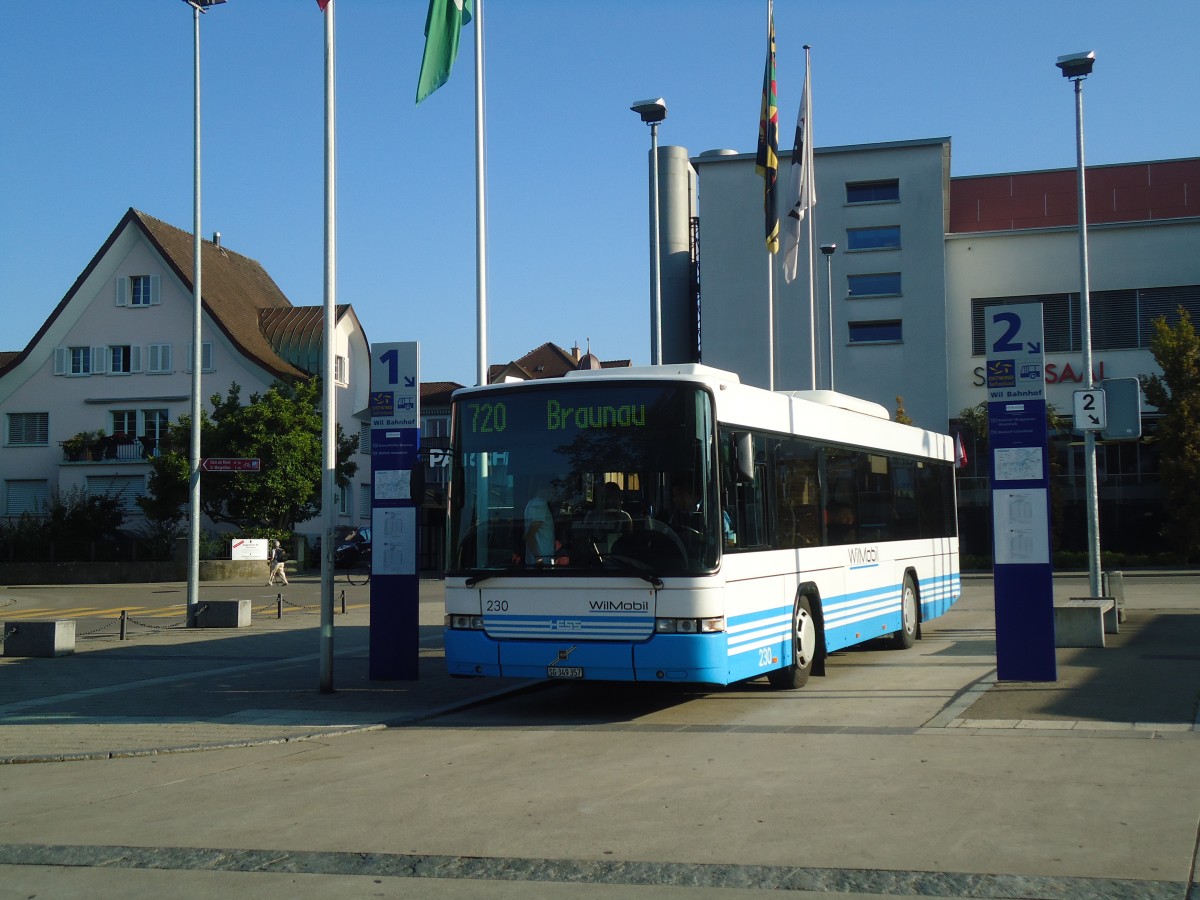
919	255
114	357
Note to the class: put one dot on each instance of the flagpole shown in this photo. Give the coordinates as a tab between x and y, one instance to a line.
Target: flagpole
329	419
771	262
481	320
808	214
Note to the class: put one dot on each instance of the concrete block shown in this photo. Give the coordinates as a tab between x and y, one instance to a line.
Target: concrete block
1083	621
44	638
223	614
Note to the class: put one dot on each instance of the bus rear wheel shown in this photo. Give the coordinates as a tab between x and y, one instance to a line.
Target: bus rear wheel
910	617
804	649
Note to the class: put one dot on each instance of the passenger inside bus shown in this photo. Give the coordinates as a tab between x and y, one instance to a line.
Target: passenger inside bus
608	520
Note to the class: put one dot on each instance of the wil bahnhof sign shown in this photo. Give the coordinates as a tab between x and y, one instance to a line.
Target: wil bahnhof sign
1020	476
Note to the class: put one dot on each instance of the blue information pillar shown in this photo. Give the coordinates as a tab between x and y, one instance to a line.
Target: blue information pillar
1020	473
395	439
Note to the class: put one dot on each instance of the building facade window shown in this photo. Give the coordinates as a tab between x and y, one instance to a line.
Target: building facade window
877	284
886	332
158	358
125	489
139	290
886	191
25	496
364	500
341	369
154	426
883	237
28	429
1121	319
206	356
364	438
124	421
124	359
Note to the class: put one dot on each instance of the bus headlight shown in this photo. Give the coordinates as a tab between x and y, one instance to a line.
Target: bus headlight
689	626
464	622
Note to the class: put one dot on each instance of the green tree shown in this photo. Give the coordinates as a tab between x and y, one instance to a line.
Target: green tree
1176	393
283	429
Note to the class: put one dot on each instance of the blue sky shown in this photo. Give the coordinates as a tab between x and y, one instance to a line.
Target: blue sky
96	116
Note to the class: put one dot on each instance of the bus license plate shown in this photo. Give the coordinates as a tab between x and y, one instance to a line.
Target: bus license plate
564	671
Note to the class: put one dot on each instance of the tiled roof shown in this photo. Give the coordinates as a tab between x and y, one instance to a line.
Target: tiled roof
549	361
236	290
235	287
437	393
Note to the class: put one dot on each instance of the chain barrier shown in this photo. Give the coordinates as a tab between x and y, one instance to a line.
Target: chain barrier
9	634
279	603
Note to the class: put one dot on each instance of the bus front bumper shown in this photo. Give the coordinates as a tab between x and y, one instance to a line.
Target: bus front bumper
701	659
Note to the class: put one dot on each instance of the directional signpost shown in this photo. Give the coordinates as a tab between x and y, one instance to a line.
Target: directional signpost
228	464
1020	473
395	437
1090	411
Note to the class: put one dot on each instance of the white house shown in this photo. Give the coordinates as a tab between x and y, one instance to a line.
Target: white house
114	356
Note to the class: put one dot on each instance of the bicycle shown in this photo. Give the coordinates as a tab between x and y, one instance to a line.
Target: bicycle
359	572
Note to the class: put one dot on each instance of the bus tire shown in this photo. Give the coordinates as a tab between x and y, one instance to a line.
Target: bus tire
910	616
805	646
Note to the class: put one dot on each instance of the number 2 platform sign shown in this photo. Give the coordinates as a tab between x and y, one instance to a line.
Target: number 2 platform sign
395	409
1020	475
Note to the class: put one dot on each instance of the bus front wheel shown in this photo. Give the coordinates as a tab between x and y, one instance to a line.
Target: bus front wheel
804	649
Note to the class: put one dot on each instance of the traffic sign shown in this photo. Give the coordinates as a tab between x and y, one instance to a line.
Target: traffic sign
1089	410
230	464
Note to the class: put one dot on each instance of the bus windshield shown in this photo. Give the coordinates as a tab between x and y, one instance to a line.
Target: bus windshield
572	478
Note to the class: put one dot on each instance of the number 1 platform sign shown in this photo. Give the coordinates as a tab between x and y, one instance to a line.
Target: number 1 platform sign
395	410
1020	474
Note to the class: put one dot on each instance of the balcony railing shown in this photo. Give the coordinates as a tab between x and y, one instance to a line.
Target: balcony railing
111	449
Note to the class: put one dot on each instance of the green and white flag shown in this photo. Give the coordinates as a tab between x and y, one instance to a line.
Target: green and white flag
443	26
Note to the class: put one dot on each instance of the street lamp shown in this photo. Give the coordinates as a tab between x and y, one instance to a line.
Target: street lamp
1077	67
653	112
828	249
193	585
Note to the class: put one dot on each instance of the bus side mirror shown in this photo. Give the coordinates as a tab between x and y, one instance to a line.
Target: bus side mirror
743	452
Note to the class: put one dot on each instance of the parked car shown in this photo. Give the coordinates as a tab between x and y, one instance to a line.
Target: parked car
354	549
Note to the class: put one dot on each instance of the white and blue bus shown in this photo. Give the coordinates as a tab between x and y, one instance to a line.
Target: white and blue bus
670	524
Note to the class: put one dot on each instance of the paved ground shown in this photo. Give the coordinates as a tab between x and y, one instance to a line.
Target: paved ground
897	774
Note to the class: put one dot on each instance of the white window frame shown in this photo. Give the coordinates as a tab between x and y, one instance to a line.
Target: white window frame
132	359
158	359
139	291
206	356
341	370
39	422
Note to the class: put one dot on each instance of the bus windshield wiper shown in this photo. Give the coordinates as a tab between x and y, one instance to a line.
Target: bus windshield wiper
634	567
493	573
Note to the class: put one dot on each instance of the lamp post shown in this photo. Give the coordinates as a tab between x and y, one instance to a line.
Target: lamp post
828	249
193	585
653	112
1077	67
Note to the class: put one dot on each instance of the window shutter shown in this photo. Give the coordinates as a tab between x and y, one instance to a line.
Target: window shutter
100	360
155	295
206	356
122	291
153	358
135	358
60	360
166	358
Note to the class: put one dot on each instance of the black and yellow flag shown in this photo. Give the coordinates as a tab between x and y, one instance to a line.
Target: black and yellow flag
766	162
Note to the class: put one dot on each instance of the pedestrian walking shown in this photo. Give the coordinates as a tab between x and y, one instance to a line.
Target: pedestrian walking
276	557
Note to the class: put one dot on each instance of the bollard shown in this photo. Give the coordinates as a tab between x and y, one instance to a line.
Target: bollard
124	625
279	606
343	601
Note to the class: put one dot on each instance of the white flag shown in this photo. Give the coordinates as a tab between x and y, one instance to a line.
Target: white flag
803	184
